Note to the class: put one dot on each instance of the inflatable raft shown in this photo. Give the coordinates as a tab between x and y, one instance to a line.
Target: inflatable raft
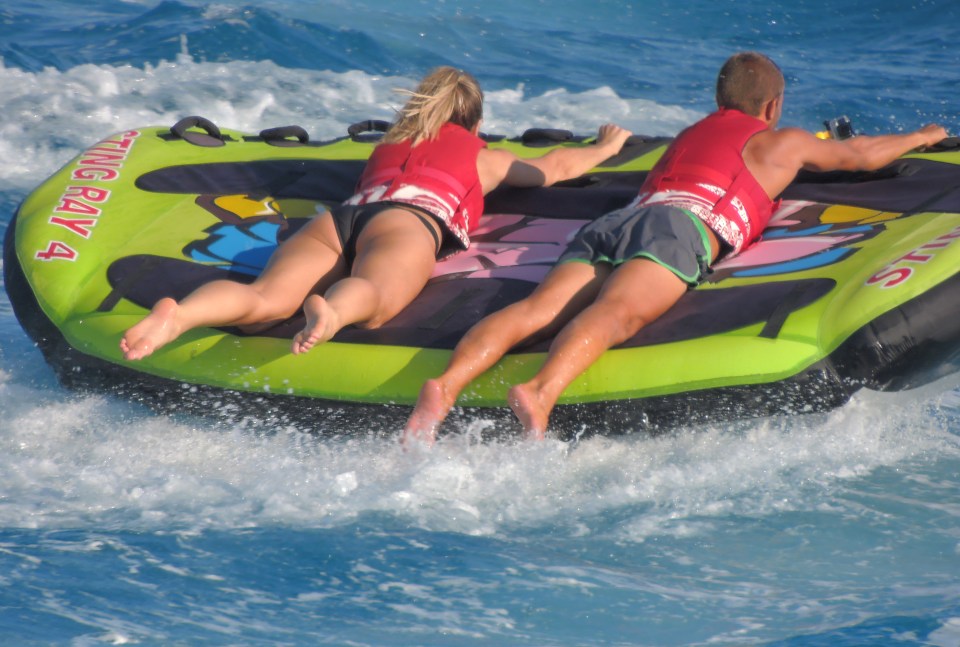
854	285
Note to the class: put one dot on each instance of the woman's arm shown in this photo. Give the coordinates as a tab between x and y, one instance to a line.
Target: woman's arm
503	167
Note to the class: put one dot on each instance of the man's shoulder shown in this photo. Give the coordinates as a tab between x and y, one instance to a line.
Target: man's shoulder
779	139
787	134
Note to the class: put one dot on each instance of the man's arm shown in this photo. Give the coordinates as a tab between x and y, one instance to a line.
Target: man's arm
775	157
868	153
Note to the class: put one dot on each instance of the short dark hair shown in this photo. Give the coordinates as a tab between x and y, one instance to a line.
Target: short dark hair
748	80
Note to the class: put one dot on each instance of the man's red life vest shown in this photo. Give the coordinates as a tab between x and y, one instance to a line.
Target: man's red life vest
703	172
439	176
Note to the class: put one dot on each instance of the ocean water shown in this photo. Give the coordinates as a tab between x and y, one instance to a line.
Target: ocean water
122	526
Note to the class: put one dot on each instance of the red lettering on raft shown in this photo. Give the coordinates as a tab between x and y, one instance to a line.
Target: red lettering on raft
100	163
79	226
897	273
71	205
95	174
76	199
58	250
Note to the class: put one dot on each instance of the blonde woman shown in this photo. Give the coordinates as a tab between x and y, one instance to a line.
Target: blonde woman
418	199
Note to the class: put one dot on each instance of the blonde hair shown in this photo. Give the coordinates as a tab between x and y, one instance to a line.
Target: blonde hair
748	80
445	95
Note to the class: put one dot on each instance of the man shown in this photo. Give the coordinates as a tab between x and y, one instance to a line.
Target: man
710	195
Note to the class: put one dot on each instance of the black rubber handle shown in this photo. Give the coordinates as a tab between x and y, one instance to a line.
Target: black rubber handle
368	126
285	136
210	138
545	136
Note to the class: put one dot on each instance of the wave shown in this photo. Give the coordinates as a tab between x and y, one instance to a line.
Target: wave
374	38
91	461
53	114
125	33
75	72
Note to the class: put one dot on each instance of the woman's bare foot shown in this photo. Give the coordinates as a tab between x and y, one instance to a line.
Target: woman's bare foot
322	324
432	407
529	410
154	331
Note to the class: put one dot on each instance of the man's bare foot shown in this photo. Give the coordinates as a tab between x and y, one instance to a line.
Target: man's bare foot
529	410
322	324
154	331
432	407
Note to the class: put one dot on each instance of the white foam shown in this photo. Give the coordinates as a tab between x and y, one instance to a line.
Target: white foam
72	461
947	635
49	116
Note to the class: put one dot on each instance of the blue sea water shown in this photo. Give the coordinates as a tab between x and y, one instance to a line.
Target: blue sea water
122	526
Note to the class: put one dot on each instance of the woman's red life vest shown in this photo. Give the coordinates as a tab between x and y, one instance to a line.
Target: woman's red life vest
703	172
439	176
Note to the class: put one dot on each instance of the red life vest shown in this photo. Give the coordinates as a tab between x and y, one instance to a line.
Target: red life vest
439	176
703	172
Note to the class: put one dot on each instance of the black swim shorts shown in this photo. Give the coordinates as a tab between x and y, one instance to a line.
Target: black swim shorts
668	236
350	220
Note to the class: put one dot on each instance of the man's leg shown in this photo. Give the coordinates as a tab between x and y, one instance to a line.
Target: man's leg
567	289
637	293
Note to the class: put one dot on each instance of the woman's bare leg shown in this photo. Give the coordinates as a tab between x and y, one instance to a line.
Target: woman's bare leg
566	290
310	258
636	294
395	257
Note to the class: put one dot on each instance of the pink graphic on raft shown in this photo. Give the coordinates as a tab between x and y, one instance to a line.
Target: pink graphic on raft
797	240
508	246
525	248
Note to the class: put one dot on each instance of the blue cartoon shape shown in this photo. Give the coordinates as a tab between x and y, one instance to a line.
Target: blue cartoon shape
243	247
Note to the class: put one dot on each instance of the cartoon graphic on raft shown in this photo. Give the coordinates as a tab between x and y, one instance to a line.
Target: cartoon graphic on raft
802	236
